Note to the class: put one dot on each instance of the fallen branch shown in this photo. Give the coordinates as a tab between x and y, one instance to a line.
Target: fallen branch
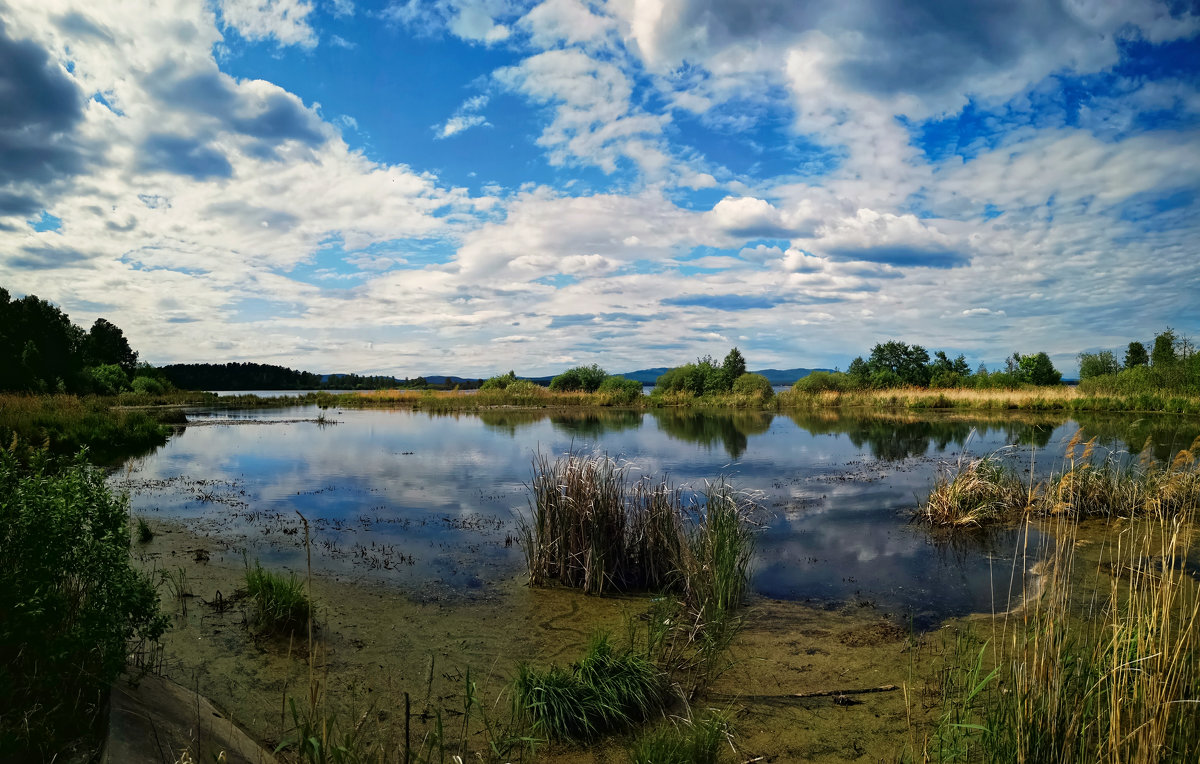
827	693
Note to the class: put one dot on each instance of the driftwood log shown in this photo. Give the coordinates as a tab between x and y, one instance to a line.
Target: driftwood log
834	693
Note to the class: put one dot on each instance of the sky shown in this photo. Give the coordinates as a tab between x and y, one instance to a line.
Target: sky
471	186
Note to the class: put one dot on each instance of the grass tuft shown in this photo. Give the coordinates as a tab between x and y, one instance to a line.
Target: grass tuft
282	604
607	689
686	741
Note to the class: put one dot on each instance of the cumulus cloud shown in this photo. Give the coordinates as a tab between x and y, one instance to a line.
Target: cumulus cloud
285	21
471	20
900	240
40	114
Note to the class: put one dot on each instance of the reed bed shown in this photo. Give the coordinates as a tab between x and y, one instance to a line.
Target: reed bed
67	423
1082	676
1059	398
982	491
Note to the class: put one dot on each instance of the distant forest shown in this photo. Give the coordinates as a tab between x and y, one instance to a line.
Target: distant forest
262	376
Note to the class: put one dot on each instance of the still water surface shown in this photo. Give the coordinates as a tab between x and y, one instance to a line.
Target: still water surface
432	502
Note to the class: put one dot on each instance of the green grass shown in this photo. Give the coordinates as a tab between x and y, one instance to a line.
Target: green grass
282	605
701	740
145	534
65	424
607	689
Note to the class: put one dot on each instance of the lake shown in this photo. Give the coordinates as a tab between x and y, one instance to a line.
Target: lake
432	503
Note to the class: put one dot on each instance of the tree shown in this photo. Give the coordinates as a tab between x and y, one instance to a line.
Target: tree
734	365
904	364
106	344
1163	354
1136	355
1097	364
1038	369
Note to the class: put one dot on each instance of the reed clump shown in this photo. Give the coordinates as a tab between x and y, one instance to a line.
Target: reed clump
697	740
282	605
593	528
980	491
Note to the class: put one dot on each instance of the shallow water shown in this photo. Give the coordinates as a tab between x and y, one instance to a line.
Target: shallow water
432	502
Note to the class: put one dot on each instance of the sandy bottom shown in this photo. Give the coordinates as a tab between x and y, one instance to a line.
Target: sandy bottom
375	643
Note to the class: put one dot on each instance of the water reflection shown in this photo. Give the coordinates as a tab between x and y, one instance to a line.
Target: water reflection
430	502
900	436
730	430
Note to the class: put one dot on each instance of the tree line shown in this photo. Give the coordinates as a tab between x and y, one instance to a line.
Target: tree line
42	351
1171	363
897	364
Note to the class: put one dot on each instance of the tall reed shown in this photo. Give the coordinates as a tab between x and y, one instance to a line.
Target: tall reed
1086	678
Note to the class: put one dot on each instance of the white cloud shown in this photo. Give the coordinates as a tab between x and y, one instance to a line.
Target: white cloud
286	21
569	22
465	117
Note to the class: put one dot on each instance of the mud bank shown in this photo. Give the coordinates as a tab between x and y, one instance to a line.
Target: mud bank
374	643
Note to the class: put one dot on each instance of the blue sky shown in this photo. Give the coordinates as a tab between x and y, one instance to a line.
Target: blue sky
468	186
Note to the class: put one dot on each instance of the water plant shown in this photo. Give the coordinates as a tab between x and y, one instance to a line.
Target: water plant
694	740
282	605
979	491
145	534
606	689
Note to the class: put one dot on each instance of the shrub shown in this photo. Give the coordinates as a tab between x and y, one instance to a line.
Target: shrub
499	382
70	603
620	391
585	378
824	381
755	385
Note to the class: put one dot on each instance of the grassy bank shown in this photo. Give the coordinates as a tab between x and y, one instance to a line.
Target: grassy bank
65	423
915	399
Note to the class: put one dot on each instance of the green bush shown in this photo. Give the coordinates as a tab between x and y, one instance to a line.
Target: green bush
755	385
824	381
621	391
147	386
585	378
499	382
70	604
